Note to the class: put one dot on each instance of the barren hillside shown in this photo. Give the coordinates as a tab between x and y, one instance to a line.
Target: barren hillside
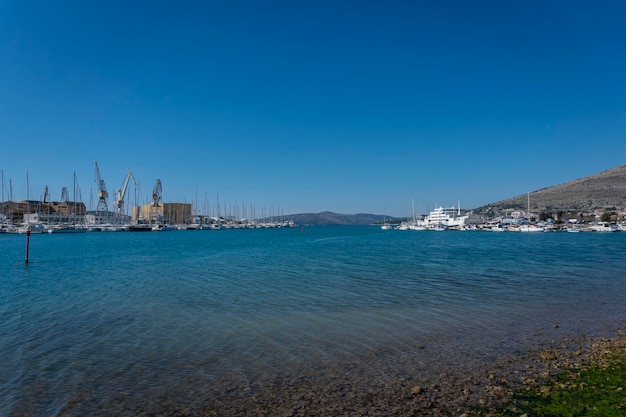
605	190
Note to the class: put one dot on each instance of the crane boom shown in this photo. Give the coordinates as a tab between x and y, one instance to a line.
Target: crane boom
156	193
156	214
103	194
121	192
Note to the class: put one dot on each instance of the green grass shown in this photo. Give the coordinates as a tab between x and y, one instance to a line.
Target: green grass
597	391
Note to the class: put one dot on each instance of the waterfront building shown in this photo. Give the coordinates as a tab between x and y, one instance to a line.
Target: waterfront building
168	213
50	212
94	217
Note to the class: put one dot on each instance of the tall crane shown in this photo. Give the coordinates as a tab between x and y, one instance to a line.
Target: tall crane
65	195
103	194
156	194
121	192
156	199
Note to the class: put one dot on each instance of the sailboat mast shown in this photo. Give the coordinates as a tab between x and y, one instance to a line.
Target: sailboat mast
74	203
11	200
27	197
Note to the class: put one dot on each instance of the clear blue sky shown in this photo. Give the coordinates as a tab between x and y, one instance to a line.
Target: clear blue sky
306	106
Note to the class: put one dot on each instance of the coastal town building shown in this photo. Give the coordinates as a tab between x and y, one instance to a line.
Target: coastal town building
33	211
169	213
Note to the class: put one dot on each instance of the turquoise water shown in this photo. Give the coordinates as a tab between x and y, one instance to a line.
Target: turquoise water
228	321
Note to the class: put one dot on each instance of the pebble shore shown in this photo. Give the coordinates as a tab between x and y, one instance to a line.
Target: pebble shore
485	394
482	390
477	393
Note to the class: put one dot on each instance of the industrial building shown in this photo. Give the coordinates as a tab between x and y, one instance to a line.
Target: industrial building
50	212
167	213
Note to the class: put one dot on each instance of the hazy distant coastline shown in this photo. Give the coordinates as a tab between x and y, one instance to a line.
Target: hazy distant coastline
587	196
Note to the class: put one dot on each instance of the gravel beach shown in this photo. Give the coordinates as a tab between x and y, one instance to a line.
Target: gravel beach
477	391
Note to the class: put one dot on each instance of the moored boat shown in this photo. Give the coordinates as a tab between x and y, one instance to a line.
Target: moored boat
602	227
530	228
139	228
33	228
443	218
66	229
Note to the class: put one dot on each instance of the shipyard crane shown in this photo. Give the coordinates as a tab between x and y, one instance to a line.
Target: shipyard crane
103	194
156	200
156	194
65	195
121	192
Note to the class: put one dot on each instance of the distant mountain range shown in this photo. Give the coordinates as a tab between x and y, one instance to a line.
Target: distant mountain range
605	190
330	218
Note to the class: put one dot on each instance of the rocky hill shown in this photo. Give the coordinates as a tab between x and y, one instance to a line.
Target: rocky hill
605	190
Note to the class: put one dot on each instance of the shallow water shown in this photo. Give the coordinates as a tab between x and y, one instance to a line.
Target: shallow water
242	322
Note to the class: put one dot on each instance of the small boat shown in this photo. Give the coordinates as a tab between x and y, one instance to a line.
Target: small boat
403	226
385	225
139	228
530	228
108	227
33	228
163	228
602	227
66	229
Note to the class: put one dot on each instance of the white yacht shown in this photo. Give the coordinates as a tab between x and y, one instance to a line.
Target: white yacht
66	228
602	227
403	226
449	217
530	228
33	228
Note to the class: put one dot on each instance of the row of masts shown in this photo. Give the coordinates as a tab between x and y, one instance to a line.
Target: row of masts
218	212
240	212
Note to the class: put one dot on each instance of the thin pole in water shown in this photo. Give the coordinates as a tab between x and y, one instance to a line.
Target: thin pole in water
27	242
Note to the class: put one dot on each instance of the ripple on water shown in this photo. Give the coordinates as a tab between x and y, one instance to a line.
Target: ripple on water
236	321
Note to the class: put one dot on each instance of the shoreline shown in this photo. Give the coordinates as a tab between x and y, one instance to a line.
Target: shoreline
461	392
465	391
492	391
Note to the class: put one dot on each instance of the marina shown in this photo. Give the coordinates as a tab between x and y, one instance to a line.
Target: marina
72	216
451	218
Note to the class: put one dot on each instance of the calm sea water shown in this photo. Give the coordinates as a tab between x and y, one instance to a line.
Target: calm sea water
196	321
